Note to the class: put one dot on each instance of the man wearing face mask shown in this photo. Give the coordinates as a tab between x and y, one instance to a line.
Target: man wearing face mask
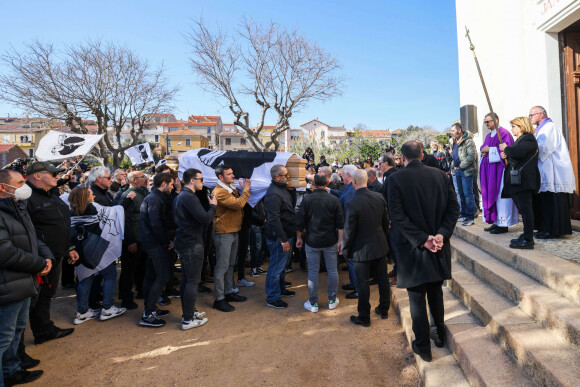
23	258
51	219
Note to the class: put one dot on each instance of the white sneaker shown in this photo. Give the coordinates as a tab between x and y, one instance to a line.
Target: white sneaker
235	290
196	314
311	308
84	317
245	282
333	304
196	322
113	311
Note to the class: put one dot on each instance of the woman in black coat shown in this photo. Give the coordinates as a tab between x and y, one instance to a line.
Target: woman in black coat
522	156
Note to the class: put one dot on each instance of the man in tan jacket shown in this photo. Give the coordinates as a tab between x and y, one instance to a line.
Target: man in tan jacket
228	221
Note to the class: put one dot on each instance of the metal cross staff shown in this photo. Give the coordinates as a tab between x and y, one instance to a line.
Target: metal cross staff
472	48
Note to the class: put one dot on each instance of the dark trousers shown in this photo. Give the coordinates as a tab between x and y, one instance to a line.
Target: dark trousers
157	275
40	321
132	272
208	253
363	271
552	213
523	201
68	273
191	262
243	243
419	314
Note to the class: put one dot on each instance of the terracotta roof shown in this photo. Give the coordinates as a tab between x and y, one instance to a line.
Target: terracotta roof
205	117
398	131
377	133
188	123
183	132
6	147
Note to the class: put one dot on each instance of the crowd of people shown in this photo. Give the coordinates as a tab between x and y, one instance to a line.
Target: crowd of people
80	222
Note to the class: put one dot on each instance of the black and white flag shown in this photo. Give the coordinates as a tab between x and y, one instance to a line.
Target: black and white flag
140	154
58	145
247	165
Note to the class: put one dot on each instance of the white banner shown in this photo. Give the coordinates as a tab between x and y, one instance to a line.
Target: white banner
248	165
140	154
58	145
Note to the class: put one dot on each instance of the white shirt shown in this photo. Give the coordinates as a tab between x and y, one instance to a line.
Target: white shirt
554	160
229	188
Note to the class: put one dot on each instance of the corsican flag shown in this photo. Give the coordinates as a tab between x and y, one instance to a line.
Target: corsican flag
58	145
140	154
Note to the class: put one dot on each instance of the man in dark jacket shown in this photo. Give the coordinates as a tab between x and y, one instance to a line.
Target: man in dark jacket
100	180
153	228
373	184
280	228
424	210
133	259
365	244
191	219
23	258
51	219
389	167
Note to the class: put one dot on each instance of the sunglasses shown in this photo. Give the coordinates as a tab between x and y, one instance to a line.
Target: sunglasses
198	178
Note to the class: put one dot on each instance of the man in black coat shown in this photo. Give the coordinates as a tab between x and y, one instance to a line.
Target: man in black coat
23	257
365	243
424	210
51	219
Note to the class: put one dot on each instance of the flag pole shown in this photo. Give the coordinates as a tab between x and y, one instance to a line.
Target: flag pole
472	48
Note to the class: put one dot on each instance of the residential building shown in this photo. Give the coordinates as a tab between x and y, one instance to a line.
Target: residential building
209	126
182	140
542	38
23	135
9	153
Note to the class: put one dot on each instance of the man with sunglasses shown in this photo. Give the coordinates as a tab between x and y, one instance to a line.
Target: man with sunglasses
51	219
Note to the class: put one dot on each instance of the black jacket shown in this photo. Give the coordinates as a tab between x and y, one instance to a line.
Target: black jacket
22	256
523	152
259	214
191	219
104	198
51	219
320	215
366	227
155	223
280	215
375	186
422	202
430	160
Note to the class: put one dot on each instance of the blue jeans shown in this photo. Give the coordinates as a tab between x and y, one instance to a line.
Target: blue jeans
313	257
465	188
13	320
455	185
277	269
109	275
157	274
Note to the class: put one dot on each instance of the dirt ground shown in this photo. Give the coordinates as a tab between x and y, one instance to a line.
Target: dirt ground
254	345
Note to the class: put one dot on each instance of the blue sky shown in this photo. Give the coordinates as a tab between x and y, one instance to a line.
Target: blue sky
399	57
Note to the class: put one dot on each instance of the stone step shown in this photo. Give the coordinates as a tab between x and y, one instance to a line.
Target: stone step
556	273
482	361
546	357
549	308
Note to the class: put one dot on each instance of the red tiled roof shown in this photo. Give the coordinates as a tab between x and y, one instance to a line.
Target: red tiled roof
6	147
377	133
398	131
204	117
183	132
181	124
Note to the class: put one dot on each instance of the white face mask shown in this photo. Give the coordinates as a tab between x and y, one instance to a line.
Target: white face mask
21	193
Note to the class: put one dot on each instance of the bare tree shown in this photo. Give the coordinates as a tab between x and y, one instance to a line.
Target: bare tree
280	69
95	81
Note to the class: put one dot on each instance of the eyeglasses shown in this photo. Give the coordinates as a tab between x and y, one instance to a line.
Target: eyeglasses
198	178
286	175
487	122
107	177
533	114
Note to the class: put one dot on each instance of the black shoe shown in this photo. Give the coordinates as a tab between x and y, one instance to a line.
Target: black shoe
223	306
544	235
152	321
383	313
490	228
352	295
499	230
356	320
129	304
235	298
287	283
278	304
518	239
27	362
164	300
287	293
438	340
203	289
57	333
22	377
347	287
161	312
426	356
523	244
